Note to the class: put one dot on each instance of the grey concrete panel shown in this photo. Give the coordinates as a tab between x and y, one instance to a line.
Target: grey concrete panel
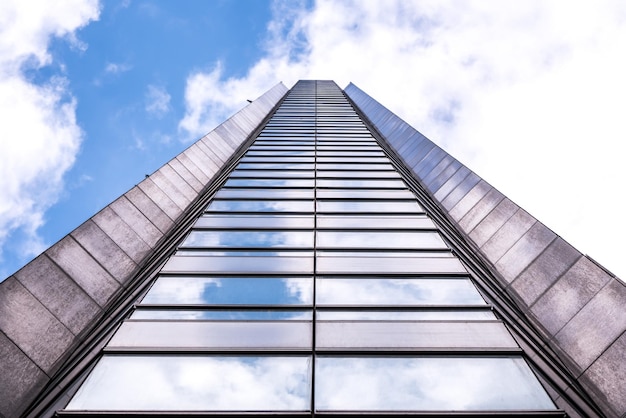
85	271
508	234
524	251
170	189
419	154
545	270
569	294
178	182
404	145
235	132
428	163
407	148
409	139
226	138
167	205
20	378
608	373
596	325
122	234
193	168
457	178
442	177
217	145
235	128
150	210
216	150
133	217
212	152
467	202
200	159
104	250
58	293
208	157
402	135
41	336
189	178
493	222
409	153
460	191
480	210
436	170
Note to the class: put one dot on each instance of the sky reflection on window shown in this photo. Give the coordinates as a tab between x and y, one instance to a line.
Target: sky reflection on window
427	384
250	239
396	291
197	383
230	291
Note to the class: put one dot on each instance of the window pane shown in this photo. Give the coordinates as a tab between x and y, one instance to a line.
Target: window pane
364	194
386	240
268	159
276	173
224	315
177	290
368	206
276	153
197	383
260	206
244	263
278	193
374	222
356	167
396	291
390	263
421	315
427	384
410	335
203	334
241	167
357	174
254	221
348	159
250	239
270	183
365	183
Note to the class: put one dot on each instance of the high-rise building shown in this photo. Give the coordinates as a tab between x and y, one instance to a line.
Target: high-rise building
313	255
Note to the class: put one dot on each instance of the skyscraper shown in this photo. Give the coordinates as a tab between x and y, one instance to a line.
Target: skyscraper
313	255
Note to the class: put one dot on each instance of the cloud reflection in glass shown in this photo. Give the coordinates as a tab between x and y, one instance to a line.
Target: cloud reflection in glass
197	383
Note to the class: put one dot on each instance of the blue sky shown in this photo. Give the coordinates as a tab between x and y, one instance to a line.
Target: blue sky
94	95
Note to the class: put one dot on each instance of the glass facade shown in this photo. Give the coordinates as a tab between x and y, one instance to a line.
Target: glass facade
314	282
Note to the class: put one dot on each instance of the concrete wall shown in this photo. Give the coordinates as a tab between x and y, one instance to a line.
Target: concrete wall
48	306
579	306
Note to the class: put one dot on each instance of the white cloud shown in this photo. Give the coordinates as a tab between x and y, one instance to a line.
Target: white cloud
116	68
527	94
157	100
39	137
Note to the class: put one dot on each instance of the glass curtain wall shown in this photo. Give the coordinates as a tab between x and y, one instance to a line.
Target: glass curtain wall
314	282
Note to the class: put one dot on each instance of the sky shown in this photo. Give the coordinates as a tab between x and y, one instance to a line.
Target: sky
95	95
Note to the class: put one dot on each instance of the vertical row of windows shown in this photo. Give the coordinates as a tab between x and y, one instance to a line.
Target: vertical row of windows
313	282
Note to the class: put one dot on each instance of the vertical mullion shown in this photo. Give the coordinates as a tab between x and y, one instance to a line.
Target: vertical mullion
314	323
